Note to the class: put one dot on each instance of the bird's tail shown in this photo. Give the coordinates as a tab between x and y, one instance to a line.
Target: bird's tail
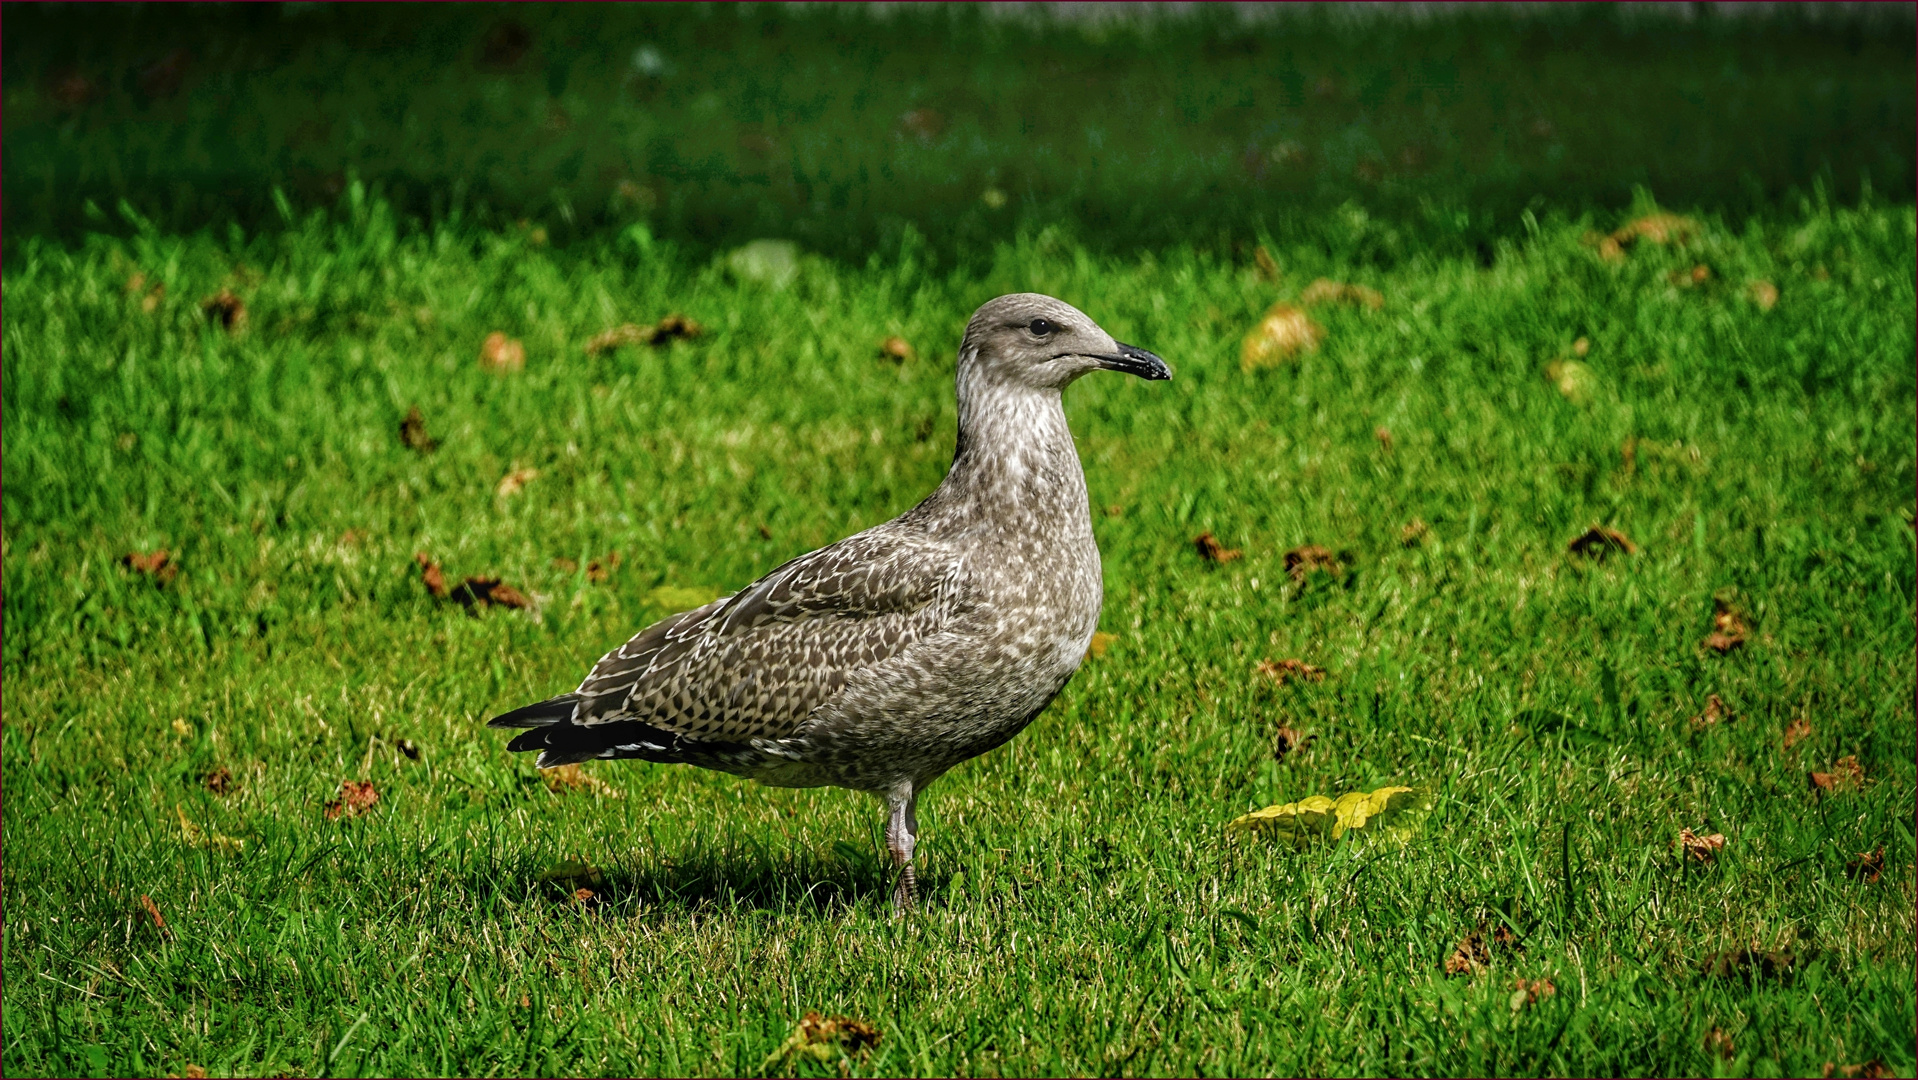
560	741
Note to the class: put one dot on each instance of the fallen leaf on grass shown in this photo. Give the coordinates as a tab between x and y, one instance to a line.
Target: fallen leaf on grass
431	575
1845	775
1685	279
501	353
153	915
1282	670
1212	551
477	592
1101	641
1268	266
1728	627
1874	1069
1306	559
356	798
1574	381
413	432
1281	334
158	565
665	330
1384	436
515	481
1475	951
564	779
1392	811
1798	730
896	349
1743	963
1327	291
1719	1043
190	1072
1288	740
1656	229
1763	293
1866	866
219	781
598	570
1530	990
1702	849
1716	712
1598	541
1413	534
822	1037
227	309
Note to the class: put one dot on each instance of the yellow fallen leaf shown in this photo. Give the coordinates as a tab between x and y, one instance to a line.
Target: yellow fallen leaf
1101	641
1389	811
1283	333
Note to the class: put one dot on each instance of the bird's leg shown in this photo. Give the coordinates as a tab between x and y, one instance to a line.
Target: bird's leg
902	832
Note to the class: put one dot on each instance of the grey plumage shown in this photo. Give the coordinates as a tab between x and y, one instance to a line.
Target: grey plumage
881	661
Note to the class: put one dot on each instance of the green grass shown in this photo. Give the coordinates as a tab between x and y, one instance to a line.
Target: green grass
1084	911
765	120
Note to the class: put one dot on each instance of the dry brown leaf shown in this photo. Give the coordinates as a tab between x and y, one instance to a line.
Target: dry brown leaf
1212	551
563	779
219	781
623	334
1283	670
356	798
225	308
1845	775
477	592
1729	629
1413	534
1598	542
1799	729
153	915
190	1072
413	432
1702	849
501	353
1873	1069
583	896
431	576
513	482
821	1037
1763	293
897	349
1716	712
923	123
1327	291
598	570
1301	561
1384	436
1101	641
1719	1043
1268	266
1611	250
1476	950
1743	963
1529	991
1657	229
1289	740
158	565
1281	334
1867	866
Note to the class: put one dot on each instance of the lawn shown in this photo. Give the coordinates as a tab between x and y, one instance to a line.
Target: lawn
195	877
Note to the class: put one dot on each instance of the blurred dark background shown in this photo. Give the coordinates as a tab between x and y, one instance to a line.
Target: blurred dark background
844	127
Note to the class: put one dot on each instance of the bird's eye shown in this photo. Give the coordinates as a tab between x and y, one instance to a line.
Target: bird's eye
1041	327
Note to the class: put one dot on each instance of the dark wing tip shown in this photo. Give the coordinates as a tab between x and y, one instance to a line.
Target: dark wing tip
540	714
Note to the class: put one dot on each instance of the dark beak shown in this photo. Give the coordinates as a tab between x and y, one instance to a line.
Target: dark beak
1135	361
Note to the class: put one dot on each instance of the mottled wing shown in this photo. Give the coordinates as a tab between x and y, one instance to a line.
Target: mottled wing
754	665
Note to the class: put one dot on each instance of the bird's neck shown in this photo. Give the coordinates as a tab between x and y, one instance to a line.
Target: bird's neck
1015	466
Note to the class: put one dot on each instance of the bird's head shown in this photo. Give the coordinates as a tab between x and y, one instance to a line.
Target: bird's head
1035	342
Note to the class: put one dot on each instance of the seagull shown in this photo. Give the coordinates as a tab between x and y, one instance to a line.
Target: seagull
880	662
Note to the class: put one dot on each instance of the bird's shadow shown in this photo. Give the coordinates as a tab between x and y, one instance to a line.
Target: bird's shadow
737	878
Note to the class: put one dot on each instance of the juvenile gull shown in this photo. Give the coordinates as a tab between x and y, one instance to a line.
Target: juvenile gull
881	661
